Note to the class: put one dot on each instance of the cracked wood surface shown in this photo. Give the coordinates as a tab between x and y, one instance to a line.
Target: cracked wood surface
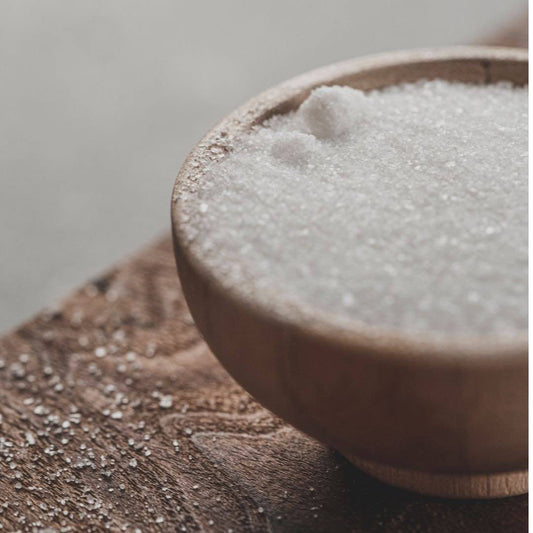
115	415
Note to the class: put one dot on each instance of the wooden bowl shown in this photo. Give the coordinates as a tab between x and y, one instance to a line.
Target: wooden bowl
446	418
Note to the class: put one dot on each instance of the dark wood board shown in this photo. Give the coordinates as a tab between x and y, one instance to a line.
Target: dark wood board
89	437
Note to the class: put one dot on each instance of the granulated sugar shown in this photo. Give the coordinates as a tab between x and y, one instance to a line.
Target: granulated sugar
404	208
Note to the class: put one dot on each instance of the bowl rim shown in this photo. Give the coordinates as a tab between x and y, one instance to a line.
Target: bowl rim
348	333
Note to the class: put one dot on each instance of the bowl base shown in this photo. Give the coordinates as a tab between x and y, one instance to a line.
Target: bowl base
481	486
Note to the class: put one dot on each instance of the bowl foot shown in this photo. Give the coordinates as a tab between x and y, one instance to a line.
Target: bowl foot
499	485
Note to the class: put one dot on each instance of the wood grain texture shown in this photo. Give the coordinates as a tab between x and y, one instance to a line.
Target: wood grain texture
164	440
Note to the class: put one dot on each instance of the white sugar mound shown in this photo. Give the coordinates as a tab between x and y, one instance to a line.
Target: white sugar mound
404	208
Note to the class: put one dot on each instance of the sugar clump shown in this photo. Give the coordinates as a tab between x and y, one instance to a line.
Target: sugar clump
332	112
403	208
294	148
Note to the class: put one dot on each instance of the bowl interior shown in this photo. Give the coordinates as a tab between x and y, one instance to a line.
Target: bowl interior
465	64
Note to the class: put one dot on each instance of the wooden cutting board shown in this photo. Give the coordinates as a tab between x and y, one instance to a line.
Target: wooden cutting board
115	415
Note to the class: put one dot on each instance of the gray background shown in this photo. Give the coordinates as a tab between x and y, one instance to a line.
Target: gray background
100	102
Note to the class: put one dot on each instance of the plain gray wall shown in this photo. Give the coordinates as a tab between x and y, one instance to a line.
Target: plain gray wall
100	102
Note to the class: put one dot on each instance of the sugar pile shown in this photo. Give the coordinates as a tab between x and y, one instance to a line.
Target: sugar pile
403	208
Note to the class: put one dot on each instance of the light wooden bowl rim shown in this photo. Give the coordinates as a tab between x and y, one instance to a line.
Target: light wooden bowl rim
419	349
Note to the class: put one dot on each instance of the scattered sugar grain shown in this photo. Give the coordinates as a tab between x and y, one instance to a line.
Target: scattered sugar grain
165	402
100	352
